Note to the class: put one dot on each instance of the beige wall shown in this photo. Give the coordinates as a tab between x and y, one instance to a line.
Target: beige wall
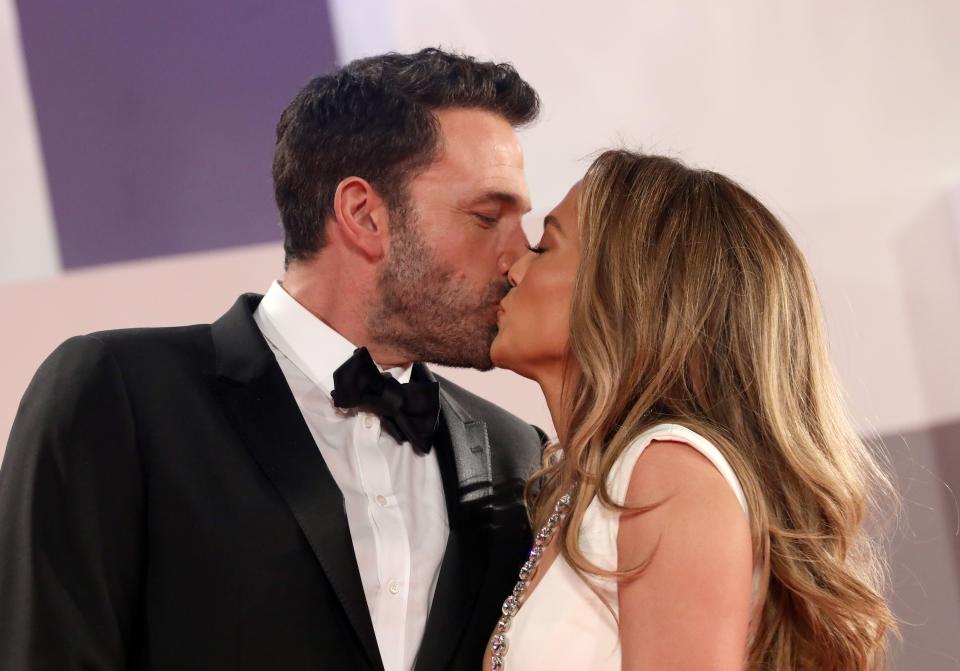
842	116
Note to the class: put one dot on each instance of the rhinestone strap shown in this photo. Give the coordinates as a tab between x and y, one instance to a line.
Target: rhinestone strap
499	643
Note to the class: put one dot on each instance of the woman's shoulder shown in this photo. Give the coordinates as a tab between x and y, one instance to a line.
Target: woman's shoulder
689	548
680	453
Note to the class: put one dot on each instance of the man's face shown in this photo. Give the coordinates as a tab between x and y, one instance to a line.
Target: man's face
451	248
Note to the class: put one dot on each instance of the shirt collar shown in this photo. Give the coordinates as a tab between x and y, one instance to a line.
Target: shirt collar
307	341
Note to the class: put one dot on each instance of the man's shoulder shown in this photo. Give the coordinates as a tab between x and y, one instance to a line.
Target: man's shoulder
498	419
145	339
148	335
90	371
516	446
130	349
133	343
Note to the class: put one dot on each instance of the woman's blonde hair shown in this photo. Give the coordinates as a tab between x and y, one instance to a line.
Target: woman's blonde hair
693	305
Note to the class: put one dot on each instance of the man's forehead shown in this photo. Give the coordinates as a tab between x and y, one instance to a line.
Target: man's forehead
470	136
480	158
481	152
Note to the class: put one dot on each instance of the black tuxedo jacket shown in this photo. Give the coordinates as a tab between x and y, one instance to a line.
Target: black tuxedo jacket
163	506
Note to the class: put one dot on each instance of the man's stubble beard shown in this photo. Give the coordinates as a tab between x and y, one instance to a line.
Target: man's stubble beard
424	311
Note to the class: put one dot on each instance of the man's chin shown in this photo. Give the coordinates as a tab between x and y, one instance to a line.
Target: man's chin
450	347
476	357
480	362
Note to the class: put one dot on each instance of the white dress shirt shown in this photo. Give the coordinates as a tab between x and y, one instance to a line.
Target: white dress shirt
393	495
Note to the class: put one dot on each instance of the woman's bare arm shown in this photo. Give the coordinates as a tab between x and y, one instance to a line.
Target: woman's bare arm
689	610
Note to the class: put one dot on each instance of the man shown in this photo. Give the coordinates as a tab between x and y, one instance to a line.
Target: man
257	493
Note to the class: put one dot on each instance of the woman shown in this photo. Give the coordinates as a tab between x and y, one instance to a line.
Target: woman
704	506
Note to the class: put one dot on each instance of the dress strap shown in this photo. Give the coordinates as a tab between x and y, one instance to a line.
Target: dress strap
619	477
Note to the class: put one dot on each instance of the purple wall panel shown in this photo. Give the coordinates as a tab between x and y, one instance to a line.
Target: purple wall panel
157	119
925	546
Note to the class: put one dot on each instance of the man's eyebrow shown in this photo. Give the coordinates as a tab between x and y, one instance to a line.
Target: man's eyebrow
505	197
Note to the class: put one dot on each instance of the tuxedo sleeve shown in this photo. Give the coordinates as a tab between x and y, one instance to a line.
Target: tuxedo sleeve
71	518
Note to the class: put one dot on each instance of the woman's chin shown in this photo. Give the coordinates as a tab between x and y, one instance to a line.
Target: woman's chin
500	353
502	357
496	352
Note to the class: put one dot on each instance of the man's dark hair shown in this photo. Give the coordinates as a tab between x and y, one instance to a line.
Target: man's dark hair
373	118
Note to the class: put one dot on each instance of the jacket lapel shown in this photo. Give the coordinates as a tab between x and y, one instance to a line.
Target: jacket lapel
267	417
463	449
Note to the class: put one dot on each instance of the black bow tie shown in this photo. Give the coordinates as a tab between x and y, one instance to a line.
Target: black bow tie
408	411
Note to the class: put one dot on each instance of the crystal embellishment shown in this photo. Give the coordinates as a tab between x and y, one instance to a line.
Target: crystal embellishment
527	571
499	642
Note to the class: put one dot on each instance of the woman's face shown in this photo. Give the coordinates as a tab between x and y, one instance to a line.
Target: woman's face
534	318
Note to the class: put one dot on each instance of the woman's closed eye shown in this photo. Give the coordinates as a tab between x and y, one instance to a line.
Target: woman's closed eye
539	249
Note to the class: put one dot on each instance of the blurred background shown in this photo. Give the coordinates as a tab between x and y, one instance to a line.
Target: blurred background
135	180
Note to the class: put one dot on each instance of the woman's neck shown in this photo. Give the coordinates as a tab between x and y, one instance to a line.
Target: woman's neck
556	385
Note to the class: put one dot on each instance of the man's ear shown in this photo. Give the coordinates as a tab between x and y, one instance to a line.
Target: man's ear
361	216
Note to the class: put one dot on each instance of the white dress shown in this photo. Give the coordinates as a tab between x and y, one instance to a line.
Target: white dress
562	625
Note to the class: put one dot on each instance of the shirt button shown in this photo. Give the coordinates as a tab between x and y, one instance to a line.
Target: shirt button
368	422
394	587
381	500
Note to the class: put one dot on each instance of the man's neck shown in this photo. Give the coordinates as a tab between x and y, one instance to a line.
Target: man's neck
319	288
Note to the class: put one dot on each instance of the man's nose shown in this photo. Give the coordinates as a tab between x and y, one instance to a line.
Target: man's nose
515	249
519	269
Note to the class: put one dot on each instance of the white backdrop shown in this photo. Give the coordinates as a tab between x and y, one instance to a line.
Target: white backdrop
844	117
27	245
